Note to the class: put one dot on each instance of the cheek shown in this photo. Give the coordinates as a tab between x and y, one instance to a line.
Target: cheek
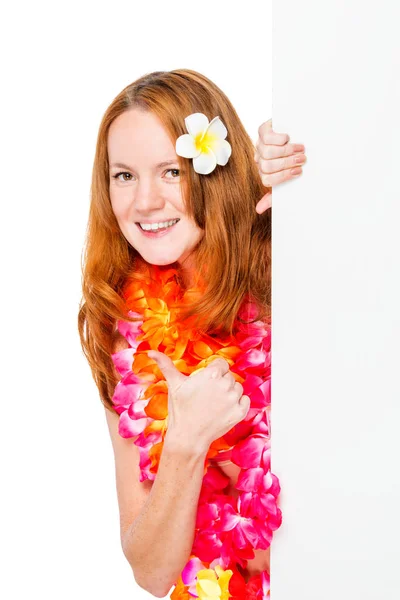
197	233
175	196
119	205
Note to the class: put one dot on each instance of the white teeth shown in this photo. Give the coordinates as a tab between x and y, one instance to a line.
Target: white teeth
156	226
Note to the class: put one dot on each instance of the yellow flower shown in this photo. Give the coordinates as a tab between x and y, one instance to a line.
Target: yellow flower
205	143
209	587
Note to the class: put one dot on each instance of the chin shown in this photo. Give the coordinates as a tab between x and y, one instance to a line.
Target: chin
161	260
161	263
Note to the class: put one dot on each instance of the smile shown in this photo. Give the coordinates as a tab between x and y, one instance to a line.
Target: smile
155	230
157	226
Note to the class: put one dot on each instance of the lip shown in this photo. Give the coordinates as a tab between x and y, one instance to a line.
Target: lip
156	234
151	221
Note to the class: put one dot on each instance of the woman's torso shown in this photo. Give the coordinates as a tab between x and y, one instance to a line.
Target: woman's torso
261	560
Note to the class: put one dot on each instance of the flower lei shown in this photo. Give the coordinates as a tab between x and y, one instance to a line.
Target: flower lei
228	529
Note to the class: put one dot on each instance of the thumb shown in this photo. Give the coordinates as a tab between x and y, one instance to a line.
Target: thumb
167	367
265	203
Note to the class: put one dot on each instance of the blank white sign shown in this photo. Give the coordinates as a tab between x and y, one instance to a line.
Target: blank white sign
336	298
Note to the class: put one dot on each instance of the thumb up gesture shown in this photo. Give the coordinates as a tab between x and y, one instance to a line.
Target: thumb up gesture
203	406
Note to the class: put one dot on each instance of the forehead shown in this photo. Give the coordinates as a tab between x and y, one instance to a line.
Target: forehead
137	134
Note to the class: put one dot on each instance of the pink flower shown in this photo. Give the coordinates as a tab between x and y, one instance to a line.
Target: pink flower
130	330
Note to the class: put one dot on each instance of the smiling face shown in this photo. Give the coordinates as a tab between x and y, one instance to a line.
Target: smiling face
145	188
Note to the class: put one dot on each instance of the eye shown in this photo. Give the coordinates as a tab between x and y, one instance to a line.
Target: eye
116	176
176	171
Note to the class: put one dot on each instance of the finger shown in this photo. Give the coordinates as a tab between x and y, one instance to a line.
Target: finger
265	203
272	151
265	127
166	366
231	380
218	368
244	404
273	179
268	136
238	388
274	165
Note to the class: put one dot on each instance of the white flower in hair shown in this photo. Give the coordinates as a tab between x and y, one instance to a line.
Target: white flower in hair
205	143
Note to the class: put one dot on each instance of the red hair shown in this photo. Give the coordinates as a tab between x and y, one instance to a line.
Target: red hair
236	246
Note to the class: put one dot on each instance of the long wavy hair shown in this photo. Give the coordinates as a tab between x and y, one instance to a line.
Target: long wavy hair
235	247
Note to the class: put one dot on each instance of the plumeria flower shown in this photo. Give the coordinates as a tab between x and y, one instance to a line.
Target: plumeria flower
206	583
213	584
205	143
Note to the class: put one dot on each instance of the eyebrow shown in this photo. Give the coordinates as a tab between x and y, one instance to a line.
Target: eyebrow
159	166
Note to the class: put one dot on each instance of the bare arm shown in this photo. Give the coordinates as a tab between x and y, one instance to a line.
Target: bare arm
157	521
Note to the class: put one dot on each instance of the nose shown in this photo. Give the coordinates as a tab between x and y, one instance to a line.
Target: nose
148	196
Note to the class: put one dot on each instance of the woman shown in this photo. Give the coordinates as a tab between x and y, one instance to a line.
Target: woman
175	325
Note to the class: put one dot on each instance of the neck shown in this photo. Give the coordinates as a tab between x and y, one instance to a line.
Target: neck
187	272
188	277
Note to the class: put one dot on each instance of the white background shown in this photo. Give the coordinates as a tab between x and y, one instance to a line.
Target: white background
64	64
334	86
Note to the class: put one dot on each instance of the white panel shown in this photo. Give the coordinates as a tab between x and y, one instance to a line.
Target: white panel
336	298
